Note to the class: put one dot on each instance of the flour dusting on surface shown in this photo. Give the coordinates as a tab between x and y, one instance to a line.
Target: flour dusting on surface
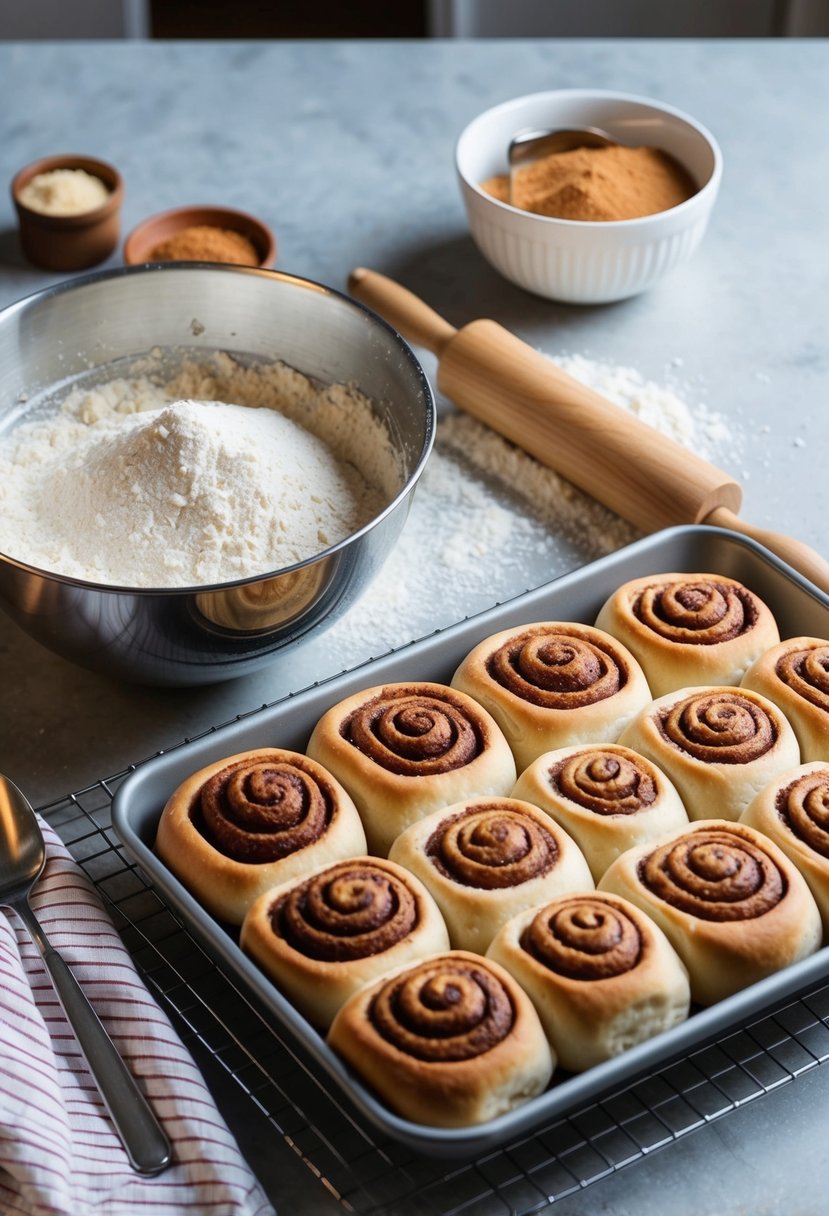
486	512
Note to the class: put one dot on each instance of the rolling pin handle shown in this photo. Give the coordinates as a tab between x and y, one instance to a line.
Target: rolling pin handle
414	319
640	474
801	557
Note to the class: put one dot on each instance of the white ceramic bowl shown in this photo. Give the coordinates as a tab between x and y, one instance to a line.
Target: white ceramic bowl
578	261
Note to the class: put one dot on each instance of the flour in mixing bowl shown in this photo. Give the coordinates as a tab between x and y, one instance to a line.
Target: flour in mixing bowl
133	485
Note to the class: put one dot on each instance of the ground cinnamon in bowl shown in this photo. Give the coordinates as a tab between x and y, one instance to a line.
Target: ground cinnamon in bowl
201	234
206	243
599	184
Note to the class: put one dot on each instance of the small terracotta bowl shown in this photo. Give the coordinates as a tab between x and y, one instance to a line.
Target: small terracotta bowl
69	242
144	238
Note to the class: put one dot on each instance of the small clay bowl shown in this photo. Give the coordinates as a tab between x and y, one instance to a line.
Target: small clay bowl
148	235
69	242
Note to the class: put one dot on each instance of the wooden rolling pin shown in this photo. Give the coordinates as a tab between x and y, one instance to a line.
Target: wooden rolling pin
641	474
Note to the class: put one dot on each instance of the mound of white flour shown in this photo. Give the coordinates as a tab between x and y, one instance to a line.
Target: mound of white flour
126	486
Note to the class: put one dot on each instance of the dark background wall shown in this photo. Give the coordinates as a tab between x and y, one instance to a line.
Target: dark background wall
313	19
273	19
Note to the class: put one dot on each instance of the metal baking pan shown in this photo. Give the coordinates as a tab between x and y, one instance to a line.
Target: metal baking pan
800	609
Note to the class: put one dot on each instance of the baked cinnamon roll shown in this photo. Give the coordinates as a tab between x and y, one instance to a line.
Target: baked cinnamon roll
451	1041
793	810
689	629
403	750
607	797
795	675
486	859
248	822
732	904
554	683
321	938
718	745
602	975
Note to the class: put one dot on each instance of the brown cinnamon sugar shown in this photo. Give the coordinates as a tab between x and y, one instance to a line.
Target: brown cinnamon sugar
498	187
206	243
612	183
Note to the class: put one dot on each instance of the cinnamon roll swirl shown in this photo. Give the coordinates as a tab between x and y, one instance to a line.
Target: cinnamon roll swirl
403	750
607	797
730	901
601	974
553	683
793	810
689	629
486	859
451	1041
718	745
250	821
323	937
795	675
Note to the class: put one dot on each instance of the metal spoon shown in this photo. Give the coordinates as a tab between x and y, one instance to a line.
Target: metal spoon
531	145
22	858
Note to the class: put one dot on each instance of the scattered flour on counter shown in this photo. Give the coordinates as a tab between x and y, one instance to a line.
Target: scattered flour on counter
487	517
127	485
659	405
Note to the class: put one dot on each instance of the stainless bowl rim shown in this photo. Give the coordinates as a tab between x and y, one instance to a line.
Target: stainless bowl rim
56	289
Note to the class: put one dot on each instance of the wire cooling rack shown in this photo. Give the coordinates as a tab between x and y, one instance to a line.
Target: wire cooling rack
366	1174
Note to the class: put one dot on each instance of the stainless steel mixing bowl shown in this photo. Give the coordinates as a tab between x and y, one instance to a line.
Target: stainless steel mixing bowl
199	635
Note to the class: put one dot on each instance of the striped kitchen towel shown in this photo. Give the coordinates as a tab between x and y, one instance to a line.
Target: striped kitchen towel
59	1153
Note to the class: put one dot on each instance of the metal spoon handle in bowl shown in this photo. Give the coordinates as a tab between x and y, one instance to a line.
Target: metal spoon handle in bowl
143	1138
530	145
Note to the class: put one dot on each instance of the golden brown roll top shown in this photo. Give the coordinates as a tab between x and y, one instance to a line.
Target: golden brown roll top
688	629
353	910
451	1041
608	780
455	1010
795	676
402	750
702	611
243	824
607	797
793	810
715	874
584	937
804	667
415	731
557	666
321	938
720	726
802	804
485	859
553	683
491	844
730	901
601	974
718	745
260	809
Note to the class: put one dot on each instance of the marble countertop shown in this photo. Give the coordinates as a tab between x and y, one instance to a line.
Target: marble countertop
346	150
